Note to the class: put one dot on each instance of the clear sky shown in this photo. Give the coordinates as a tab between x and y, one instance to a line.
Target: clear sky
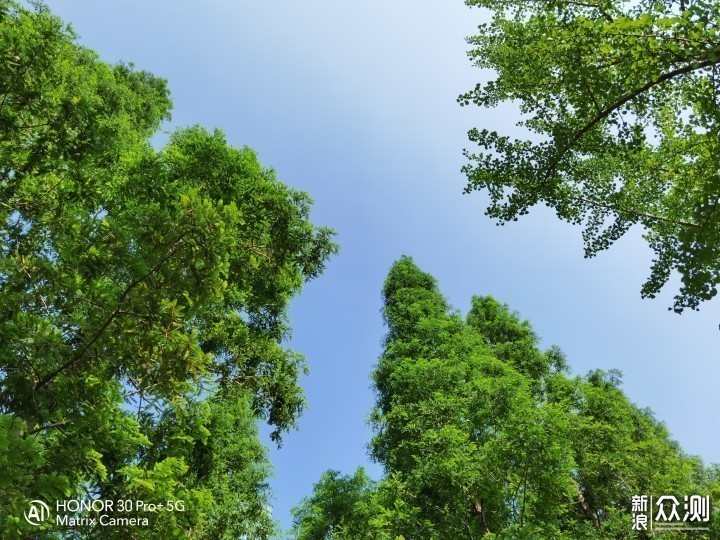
354	102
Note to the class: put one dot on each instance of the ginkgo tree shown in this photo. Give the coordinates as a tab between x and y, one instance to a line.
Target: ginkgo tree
143	297
620	100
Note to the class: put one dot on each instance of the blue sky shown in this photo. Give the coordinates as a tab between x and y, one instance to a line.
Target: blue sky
354	102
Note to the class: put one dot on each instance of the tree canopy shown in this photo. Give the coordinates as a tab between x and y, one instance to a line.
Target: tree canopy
144	296
620	100
481	433
337	508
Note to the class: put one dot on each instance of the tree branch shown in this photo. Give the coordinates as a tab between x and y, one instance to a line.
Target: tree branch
589	514
525	479
607	111
600	8
48	426
479	511
641	214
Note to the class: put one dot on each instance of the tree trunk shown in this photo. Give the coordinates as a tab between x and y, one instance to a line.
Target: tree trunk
477	509
586	508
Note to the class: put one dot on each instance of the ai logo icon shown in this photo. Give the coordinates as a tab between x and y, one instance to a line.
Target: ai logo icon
37	513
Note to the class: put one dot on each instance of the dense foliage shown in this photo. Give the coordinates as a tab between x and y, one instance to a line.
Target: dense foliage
483	434
620	100
143	297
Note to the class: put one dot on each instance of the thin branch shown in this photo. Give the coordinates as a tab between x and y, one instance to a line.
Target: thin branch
588	5
525	480
48	426
137	386
32	126
667	38
31	365
640	214
259	250
108	310
139	390
590	93
237	378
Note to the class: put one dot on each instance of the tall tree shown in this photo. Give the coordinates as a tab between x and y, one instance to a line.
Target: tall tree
143	296
483	434
339	507
620	100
